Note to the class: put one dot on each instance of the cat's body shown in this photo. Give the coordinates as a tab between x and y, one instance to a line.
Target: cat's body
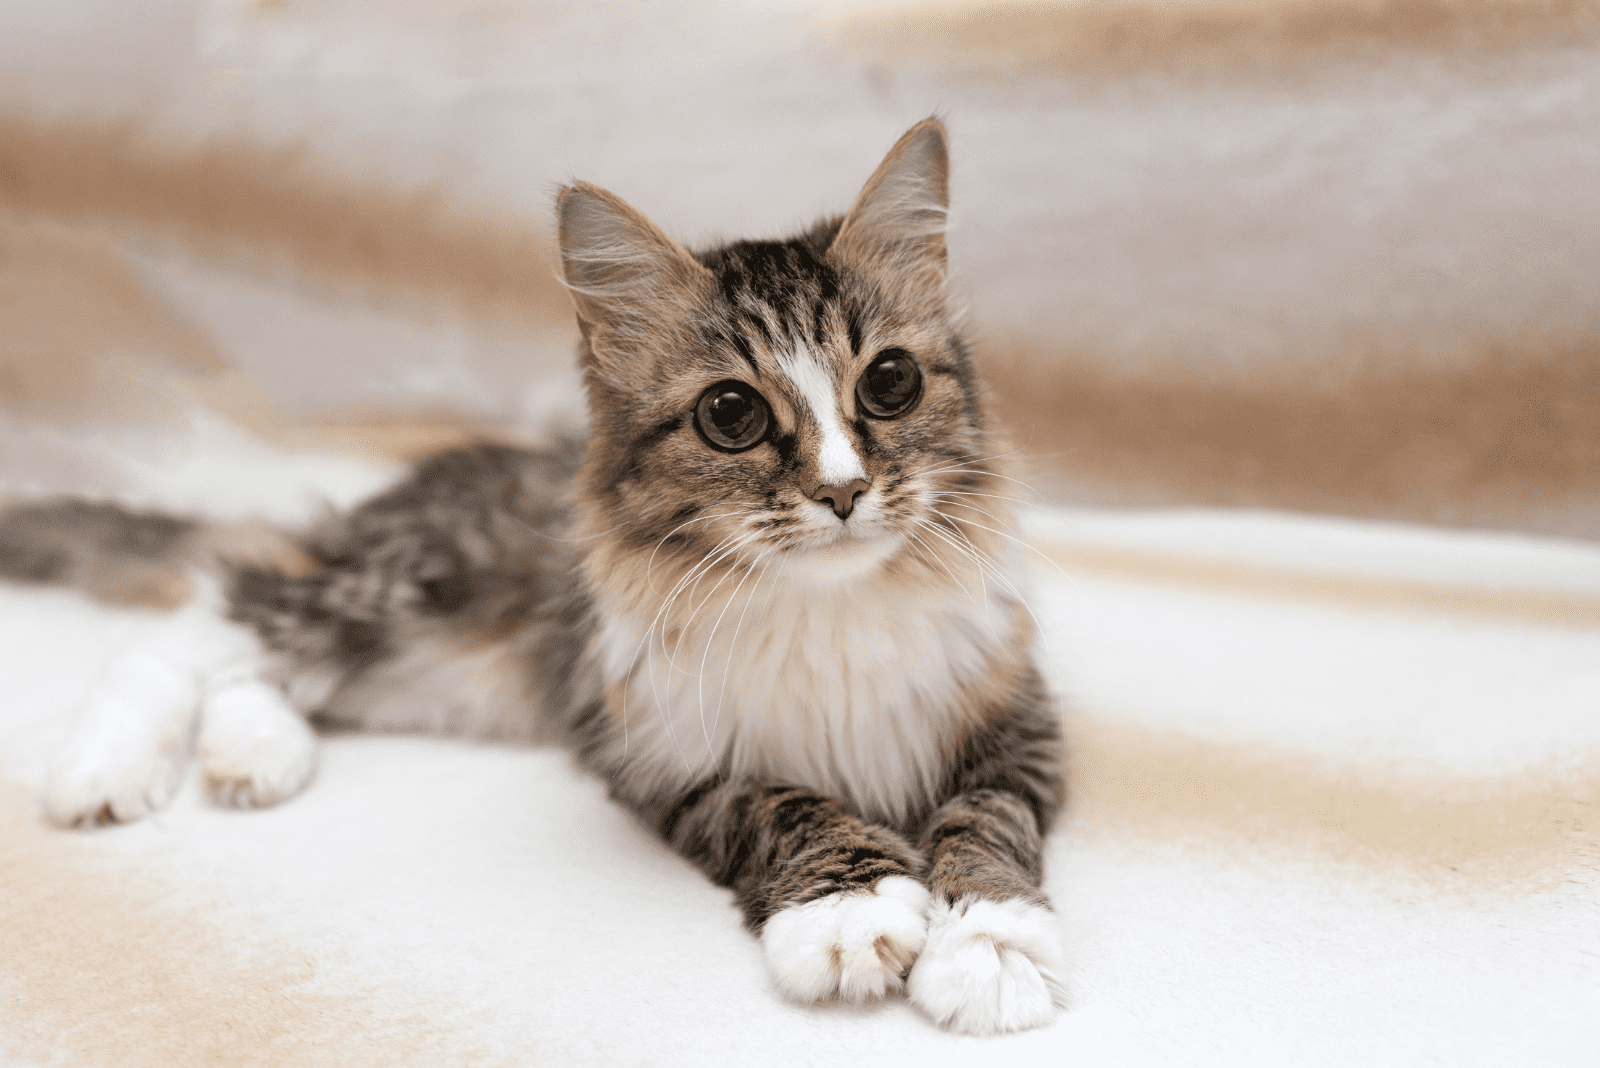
768	606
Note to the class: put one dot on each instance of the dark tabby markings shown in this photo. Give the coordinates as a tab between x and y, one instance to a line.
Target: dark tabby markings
869	444
658	433
458	545
778	846
788	448
985	843
360	641
741	345
445	578
1019	753
757	324
45	540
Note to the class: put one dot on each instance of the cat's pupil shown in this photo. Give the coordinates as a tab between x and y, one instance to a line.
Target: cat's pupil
732	413
890	380
890	384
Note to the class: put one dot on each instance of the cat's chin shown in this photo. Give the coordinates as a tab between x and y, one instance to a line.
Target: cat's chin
848	558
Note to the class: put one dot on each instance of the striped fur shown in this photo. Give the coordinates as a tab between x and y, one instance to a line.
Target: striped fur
832	716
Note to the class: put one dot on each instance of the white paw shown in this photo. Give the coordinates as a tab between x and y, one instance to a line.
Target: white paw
855	945
989	966
126	755
254	748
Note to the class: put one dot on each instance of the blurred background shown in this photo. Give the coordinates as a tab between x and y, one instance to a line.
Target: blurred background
1335	256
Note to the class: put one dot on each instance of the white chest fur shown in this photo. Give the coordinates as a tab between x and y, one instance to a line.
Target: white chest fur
856	689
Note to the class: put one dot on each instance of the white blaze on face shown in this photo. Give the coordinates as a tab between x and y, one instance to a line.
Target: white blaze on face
837	460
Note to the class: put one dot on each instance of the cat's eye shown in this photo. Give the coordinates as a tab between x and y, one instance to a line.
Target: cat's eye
890	385
732	417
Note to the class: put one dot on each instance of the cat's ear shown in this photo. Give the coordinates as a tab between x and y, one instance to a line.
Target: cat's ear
621	268
901	213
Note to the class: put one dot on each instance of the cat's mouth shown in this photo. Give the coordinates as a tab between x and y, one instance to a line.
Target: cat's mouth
847	559
849	550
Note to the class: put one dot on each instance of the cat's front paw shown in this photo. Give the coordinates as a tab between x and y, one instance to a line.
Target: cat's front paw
126	756
989	966
856	945
254	748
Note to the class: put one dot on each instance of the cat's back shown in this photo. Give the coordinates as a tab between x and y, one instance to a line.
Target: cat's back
461	494
430	606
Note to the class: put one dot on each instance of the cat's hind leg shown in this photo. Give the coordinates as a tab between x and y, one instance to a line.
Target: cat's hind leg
127	753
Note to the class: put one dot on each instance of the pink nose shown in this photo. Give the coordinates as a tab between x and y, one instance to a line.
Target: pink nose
842	499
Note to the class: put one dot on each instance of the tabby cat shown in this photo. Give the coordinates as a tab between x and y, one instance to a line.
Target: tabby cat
767	602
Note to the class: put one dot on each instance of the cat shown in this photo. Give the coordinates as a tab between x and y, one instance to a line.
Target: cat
768	601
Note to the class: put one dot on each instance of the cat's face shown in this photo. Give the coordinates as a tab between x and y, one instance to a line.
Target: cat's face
805	401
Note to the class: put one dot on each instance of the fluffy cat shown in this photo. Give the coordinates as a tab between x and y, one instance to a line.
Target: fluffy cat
766	601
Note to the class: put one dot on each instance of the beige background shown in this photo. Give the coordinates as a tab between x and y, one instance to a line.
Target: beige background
1331	255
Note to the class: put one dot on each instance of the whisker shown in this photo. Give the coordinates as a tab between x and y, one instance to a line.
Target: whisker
547	536
984	562
982	559
711	640
941	496
672	664
1003	534
971	551
973	493
651	563
648	645
691	583
923	547
947	468
694	609
951	463
733	645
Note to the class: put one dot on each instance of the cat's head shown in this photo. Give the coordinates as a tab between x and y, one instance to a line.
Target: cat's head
806	400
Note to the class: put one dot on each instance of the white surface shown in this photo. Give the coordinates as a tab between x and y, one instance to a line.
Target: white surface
1482	559
1349	683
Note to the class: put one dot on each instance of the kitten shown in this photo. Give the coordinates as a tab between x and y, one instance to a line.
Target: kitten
766	602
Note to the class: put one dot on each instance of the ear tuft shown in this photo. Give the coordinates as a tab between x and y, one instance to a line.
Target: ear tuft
616	262
903	209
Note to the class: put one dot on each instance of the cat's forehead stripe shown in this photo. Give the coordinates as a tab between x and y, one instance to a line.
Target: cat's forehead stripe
837	460
783	291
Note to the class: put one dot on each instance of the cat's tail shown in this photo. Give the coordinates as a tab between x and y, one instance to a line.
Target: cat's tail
137	558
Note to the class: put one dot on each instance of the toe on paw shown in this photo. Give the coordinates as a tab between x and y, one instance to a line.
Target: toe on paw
258	768
100	794
232	792
260	789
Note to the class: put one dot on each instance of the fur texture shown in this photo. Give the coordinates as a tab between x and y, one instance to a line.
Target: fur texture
830	707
